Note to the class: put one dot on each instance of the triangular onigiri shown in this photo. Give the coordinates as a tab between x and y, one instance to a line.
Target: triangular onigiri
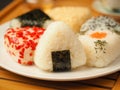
59	38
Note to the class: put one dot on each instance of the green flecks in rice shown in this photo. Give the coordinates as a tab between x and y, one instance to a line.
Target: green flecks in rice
100	46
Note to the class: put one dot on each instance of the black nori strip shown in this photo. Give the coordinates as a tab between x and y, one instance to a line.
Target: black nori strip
61	61
33	18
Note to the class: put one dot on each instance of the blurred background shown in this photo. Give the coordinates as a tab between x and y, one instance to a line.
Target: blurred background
97	7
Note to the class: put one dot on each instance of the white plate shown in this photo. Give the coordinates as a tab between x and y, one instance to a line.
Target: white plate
100	8
81	73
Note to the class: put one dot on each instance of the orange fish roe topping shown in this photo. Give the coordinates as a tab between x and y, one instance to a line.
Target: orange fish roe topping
98	35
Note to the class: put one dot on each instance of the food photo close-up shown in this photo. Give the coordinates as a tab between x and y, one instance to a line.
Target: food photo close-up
60	44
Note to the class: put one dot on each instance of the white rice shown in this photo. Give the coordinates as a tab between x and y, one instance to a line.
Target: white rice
96	56
73	16
57	37
99	58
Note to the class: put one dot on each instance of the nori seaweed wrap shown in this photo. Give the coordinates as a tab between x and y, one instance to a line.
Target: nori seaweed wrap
61	61
33	18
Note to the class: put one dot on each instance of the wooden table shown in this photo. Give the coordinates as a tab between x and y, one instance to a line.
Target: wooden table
11	81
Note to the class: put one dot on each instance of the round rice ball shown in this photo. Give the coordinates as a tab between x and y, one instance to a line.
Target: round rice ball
101	52
100	37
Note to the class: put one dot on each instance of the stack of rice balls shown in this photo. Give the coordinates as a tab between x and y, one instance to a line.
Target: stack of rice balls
57	48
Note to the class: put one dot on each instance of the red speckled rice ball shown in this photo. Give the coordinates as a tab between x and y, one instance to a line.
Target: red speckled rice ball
21	43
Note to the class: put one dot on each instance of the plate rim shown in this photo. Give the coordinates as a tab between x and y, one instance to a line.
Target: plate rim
59	79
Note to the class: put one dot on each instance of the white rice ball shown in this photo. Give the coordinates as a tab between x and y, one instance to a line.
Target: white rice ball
101	52
73	16
57	37
100	37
